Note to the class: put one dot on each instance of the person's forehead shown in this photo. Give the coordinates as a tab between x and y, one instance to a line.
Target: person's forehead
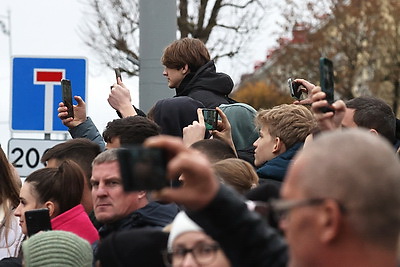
106	164
170	70
26	191
106	169
264	129
114	143
348	120
192	237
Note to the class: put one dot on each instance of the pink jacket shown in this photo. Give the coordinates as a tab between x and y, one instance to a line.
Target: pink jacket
76	221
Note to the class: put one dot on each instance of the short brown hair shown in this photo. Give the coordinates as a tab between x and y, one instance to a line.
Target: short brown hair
374	113
291	123
80	150
188	51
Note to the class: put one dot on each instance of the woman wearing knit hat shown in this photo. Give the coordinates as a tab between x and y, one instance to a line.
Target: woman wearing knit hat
188	245
56	248
60	191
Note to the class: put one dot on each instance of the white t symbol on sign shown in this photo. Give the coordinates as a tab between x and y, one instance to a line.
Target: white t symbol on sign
48	78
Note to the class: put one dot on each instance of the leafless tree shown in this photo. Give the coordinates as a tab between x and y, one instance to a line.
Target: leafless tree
225	26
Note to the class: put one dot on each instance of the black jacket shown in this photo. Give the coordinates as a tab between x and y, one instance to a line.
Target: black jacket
207	86
173	114
153	214
243	235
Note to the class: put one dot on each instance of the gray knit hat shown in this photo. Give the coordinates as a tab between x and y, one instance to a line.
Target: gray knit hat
57	248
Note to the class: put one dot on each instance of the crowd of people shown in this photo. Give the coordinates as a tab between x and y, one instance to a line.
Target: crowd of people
291	185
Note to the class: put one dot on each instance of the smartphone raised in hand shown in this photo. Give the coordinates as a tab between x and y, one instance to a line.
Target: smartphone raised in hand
294	88
143	168
326	81
37	220
67	97
117	74
210	118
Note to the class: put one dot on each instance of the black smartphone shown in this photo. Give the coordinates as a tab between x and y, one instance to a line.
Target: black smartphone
117	74
326	80
294	89
210	118
37	220
67	97
143	168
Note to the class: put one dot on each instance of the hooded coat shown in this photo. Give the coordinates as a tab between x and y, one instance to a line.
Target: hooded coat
173	114
207	86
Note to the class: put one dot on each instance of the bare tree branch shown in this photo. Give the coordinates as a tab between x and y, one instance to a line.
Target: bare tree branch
183	19
223	25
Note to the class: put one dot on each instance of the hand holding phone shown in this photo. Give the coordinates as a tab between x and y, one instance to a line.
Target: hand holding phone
37	220
294	88
118	74
210	118
67	97
143	168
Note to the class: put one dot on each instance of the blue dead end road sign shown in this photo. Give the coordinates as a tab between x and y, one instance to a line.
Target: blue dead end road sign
36	91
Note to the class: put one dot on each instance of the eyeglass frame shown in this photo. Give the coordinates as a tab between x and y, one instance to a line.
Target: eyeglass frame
279	208
168	254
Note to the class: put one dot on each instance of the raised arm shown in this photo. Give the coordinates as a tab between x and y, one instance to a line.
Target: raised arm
245	237
80	126
120	99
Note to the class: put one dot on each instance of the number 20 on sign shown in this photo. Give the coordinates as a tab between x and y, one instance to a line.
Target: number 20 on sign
25	154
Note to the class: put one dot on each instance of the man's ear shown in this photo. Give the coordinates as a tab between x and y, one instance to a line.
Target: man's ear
142	194
51	206
373	131
185	69
330	221
279	146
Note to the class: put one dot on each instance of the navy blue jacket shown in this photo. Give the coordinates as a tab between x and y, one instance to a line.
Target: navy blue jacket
275	169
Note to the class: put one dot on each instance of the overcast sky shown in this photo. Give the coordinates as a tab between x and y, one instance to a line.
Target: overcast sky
50	28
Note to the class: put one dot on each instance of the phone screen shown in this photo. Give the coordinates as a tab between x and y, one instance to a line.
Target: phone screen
67	96
210	118
37	220
326	78
143	168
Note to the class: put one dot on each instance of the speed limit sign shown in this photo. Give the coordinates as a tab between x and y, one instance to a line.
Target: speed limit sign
25	154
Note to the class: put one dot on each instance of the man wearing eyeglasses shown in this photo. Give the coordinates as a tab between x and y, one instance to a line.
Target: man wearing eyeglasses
340	205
